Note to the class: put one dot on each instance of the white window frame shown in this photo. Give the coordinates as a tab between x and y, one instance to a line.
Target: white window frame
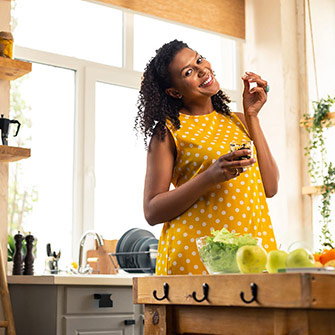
87	74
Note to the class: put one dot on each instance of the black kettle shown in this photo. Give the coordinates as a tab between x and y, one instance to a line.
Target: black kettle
4	126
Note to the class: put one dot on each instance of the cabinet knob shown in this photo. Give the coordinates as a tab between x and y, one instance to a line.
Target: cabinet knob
104	299
129	322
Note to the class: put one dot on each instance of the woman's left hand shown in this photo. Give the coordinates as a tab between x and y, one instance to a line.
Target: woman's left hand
255	98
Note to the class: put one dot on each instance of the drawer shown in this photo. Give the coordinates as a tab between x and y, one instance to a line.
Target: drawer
101	325
94	299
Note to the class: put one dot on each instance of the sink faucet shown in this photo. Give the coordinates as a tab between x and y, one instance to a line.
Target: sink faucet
85	268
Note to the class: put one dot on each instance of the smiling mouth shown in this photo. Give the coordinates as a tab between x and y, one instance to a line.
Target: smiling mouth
208	81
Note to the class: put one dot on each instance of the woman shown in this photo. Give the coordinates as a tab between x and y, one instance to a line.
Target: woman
185	114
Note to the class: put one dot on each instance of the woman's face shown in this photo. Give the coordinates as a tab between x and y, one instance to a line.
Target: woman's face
191	76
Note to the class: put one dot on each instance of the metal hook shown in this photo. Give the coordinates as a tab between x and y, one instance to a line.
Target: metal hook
253	293
205	288
166	292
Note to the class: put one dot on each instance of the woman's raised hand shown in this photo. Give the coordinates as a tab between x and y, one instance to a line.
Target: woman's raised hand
229	166
255	98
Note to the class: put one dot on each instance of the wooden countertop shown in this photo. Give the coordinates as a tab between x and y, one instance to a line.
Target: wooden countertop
285	290
103	280
284	303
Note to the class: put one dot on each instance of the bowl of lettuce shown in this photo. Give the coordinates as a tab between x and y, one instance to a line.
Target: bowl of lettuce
218	252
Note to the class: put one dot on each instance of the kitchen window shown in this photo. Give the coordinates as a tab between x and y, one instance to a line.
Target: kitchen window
119	172
105	50
40	188
329	135
72	28
320	85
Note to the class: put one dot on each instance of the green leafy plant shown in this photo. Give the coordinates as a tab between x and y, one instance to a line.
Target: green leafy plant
319	169
11	248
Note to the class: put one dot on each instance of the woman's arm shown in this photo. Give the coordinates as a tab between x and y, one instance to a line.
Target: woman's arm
253	101
162	205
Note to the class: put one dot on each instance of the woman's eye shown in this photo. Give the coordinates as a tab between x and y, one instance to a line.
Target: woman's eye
188	72
200	59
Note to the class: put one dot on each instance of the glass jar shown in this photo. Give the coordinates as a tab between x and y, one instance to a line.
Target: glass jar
6	44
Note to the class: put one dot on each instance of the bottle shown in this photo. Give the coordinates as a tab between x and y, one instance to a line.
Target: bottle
29	257
18	258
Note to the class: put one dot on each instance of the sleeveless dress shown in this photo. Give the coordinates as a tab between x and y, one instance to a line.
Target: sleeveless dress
238	204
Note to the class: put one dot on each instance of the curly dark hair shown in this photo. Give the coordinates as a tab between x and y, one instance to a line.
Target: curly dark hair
154	105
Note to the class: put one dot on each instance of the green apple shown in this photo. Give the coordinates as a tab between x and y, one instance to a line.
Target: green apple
276	260
300	258
251	259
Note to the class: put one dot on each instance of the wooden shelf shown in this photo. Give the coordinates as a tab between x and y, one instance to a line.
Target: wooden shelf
309	123
13	154
311	190
11	69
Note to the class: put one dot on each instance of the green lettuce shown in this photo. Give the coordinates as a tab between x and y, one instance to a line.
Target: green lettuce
219	252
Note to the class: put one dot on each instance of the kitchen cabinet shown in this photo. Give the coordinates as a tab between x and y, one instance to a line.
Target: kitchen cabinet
235	304
105	306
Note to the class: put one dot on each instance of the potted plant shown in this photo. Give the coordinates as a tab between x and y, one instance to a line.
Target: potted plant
319	169
10	254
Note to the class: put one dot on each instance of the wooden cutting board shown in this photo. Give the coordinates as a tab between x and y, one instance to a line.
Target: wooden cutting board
99	259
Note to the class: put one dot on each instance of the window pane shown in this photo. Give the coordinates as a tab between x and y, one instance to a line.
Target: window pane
318	221
150	34
40	187
233	106
120	161
329	142
73	28
329	139
329	136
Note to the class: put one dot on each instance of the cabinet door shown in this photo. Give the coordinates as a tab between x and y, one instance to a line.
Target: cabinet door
99	325
34	309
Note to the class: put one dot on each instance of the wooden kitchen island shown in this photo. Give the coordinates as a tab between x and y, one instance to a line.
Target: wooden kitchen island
257	304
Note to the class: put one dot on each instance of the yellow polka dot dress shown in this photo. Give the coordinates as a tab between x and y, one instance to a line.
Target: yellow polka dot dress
238	204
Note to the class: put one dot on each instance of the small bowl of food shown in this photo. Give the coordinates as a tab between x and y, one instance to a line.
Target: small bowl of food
218	252
235	146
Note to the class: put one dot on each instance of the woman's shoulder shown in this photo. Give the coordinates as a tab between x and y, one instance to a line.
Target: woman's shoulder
162	137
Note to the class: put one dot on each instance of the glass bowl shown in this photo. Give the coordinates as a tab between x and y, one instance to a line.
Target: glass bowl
219	258
235	146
